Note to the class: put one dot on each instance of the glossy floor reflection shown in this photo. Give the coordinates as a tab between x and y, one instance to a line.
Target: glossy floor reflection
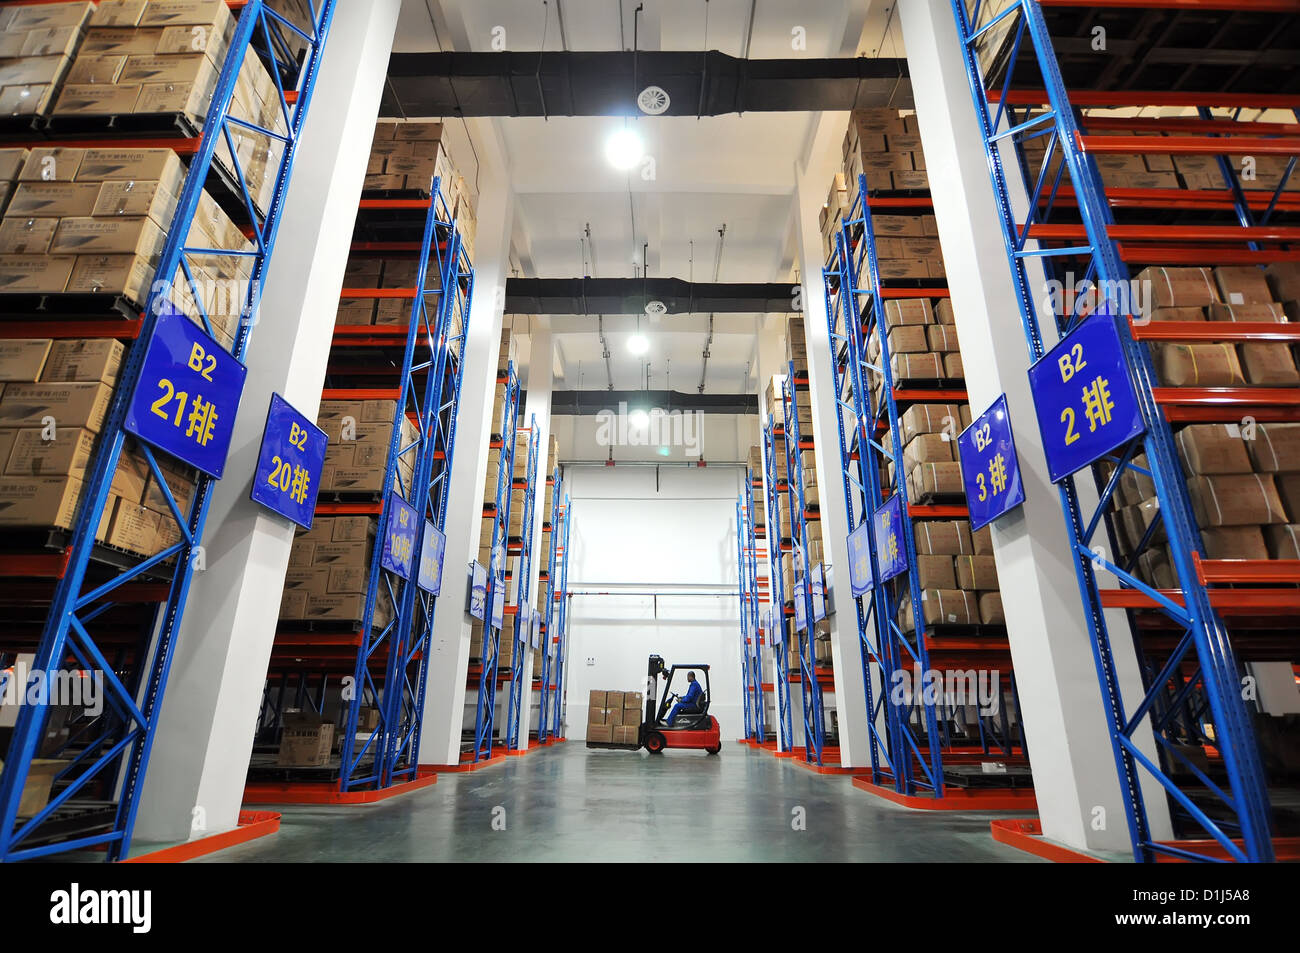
567	803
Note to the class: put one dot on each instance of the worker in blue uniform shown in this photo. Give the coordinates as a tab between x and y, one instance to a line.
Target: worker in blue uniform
690	701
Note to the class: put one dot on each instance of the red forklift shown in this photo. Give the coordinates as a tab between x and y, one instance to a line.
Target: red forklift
694	728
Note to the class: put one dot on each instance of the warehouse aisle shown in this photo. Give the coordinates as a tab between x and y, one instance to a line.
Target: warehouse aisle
571	804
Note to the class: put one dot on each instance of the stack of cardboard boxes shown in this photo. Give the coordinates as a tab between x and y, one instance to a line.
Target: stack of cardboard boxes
52	407
885	147
931	464
1244	485
922	339
37	44
164	57
408	155
95	220
615	717
360	433
329	571
1234	293
957	576
364	272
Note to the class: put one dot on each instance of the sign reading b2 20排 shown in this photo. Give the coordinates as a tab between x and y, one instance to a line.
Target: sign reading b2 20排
1084	397
289	463
891	553
187	394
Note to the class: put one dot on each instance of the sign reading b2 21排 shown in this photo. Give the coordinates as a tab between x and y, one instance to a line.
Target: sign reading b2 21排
990	468
891	552
187	394
1084	397
289	463
399	536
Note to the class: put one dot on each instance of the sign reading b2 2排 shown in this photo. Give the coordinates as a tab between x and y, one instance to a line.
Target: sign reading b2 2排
187	394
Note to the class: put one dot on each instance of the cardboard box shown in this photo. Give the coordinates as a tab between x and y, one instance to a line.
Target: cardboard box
1270	311
942	338
1199	365
912	367
1284	280
38	786
1242	284
1235	542
991	609
927	448
1177	314
39	501
126	275
930	419
596	701
313	580
614	716
1179	287
633	701
600	733
1268	363
356	553
53	199
936	479
1236	500
346	607
1283	541
23	359
20	235
948	607
306	740
898	225
1288	488
68	454
627	734
1212	449
71	405
943	313
1275	449
109	236
943	538
936	572
84	360
135	528
293	605
976	573
95	70
97	99
907	340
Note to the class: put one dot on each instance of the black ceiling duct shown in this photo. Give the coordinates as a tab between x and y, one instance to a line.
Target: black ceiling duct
630	296
588	403
605	84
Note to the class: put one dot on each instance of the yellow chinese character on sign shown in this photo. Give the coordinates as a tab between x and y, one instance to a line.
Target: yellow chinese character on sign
298	489
998	473
203	417
1097	404
892	547
861	567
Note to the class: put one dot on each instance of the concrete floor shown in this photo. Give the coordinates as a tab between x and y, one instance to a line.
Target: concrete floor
567	803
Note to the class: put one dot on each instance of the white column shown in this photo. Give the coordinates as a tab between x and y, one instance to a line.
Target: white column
444	706
812	181
1065	724
205	735
541	375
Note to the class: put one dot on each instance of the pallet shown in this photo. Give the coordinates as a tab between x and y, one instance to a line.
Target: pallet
125	125
61	305
413	195
612	746
21	128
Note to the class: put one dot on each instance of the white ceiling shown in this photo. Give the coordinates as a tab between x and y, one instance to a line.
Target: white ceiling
732	171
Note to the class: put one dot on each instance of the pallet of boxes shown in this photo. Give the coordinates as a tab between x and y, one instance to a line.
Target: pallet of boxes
52	407
369	274
405	157
505	354
329	564
614	719
1243	478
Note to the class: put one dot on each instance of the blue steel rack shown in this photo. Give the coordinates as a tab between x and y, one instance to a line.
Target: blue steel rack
562	598
116	761
548	721
779	635
814	717
486	705
1236	816
751	598
523	593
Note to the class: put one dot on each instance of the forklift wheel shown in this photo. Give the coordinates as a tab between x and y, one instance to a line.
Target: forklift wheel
654	743
714	750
